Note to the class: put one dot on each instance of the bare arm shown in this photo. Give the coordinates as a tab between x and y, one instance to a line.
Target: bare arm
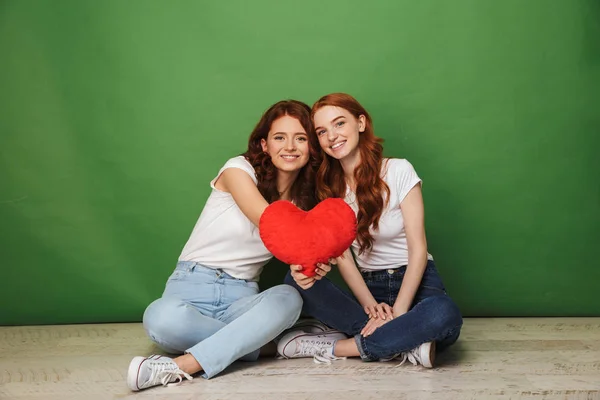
244	192
414	223
354	279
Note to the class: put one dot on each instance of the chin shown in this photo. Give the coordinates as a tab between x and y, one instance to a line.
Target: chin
337	156
287	168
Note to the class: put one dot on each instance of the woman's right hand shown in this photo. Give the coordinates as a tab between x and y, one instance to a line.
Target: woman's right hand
305	282
379	314
372	325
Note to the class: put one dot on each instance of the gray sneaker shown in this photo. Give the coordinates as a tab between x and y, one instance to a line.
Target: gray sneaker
145	372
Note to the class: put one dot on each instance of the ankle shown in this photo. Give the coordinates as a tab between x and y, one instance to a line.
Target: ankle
187	363
345	348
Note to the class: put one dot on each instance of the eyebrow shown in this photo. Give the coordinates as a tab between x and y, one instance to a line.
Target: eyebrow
332	121
285	133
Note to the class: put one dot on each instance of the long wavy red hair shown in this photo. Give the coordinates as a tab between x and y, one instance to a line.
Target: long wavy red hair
372	192
302	192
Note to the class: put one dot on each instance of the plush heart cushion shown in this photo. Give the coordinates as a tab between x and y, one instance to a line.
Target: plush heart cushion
306	238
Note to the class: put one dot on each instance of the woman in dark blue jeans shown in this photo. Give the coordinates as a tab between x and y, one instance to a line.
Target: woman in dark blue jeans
400	308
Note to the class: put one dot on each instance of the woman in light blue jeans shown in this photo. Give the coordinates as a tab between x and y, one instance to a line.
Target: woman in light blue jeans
211	309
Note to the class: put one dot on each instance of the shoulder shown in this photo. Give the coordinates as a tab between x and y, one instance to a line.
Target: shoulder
240	163
398	164
394	168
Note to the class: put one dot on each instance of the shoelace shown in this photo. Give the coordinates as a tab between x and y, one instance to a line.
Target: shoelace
412	356
323	357
317	349
164	372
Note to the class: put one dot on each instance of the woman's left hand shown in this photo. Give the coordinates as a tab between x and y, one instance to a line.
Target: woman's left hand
323	269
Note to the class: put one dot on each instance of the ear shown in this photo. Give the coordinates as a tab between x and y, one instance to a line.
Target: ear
362	123
263	143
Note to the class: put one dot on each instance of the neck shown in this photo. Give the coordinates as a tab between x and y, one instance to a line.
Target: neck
349	164
285	180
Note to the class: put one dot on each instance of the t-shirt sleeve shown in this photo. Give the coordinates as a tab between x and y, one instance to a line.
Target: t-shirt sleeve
237	162
406	178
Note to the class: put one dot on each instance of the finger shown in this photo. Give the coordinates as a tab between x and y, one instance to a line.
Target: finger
389	312
325	268
376	323
380	311
371	329
372	312
333	261
367	328
322	270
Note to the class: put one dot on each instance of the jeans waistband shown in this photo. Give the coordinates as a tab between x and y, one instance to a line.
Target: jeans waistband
197	267
387	271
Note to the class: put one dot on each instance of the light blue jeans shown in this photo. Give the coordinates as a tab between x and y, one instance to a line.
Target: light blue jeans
217	318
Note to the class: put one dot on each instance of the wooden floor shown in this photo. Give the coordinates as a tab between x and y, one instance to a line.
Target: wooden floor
512	358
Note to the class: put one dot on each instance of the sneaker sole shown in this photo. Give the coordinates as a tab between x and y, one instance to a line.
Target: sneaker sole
133	373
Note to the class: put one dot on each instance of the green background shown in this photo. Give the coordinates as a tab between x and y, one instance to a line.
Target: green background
115	115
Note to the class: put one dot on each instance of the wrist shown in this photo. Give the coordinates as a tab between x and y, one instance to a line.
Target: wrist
368	303
398	310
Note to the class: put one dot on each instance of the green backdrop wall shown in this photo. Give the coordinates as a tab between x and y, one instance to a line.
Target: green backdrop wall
116	114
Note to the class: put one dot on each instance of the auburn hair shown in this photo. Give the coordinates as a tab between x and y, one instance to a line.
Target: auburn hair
372	193
302	192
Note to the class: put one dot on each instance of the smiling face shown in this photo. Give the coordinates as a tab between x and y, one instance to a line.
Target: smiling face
338	131
287	144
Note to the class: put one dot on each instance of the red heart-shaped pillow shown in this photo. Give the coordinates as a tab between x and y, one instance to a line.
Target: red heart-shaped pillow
306	238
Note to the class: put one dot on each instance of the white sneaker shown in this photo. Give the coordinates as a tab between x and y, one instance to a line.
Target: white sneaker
423	355
300	344
145	372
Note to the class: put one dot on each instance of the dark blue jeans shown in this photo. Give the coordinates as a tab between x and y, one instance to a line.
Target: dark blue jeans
433	315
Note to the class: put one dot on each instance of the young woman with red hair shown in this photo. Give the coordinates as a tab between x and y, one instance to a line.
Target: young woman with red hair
400	307
211	312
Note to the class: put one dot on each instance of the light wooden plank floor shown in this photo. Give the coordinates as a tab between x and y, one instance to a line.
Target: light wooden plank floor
495	358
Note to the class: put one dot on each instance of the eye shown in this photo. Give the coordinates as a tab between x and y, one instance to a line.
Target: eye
302	138
321	132
340	123
278	138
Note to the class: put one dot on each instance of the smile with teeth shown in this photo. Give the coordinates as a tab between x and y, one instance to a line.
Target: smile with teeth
289	157
338	145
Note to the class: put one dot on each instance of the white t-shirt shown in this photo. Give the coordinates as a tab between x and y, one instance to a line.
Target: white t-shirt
390	248
224	238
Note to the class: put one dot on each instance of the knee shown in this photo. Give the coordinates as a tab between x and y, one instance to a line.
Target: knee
285	299
447	314
163	318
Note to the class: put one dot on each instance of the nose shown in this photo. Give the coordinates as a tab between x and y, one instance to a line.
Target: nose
290	145
332	135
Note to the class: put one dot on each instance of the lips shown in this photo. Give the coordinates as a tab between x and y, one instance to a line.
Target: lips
290	157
